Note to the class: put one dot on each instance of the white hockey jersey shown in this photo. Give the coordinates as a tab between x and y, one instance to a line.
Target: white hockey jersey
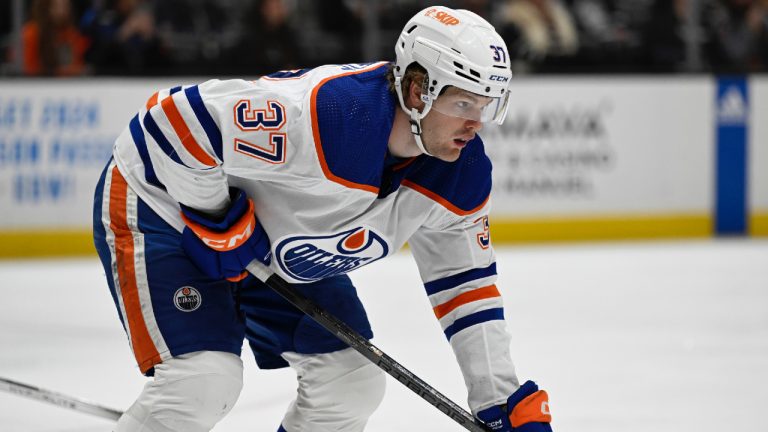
310	148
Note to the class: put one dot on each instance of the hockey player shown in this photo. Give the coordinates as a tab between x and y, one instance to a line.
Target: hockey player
314	173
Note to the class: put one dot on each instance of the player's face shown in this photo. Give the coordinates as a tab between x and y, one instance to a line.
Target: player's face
447	129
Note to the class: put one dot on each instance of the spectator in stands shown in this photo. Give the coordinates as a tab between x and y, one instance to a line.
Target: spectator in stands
736	35
52	44
610	33
664	45
268	43
480	7
124	38
201	34
541	34
331	32
7	38
6	13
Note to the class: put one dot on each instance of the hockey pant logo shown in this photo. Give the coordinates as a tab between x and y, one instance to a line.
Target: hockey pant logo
187	299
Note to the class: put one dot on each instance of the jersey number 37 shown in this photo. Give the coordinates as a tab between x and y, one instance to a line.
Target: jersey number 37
270	121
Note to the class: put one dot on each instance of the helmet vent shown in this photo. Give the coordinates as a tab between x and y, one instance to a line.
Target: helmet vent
411	29
499	66
474	73
463	75
458	65
456	50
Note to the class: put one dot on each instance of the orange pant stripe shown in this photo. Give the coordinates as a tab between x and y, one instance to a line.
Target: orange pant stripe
143	347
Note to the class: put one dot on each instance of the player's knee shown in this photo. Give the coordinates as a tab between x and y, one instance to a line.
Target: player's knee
337	392
209	390
362	390
190	393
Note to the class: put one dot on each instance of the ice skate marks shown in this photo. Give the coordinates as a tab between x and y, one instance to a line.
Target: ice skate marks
311	258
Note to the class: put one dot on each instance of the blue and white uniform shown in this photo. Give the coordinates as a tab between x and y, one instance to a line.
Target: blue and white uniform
310	148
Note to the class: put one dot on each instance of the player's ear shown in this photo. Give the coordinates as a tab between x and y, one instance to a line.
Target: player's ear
414	95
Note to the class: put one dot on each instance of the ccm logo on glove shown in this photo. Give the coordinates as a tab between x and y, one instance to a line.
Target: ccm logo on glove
222	247
235	236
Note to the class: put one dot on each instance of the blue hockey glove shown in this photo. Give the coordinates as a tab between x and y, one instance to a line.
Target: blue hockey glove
222	248
527	410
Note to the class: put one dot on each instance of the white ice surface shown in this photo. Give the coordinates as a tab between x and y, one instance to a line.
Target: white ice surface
663	337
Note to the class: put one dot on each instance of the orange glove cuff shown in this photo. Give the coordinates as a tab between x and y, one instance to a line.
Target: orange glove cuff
534	408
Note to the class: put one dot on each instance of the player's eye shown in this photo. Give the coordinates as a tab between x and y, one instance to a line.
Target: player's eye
463	105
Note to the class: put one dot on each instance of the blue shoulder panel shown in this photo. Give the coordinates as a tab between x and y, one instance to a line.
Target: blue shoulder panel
353	115
461	186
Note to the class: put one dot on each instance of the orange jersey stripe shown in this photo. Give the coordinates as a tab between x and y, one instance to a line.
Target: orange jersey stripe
152	101
187	140
487	292
316	134
143	347
404	164
442	201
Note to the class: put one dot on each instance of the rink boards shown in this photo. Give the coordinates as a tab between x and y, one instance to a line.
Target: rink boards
582	158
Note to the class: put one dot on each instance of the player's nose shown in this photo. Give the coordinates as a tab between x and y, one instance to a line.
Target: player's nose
474	125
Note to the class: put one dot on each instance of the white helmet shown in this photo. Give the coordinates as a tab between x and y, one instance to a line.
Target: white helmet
457	48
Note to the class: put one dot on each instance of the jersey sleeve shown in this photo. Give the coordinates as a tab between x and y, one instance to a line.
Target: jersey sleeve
458	266
181	142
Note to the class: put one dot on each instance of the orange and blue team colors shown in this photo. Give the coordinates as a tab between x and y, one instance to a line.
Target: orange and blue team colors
534	408
228	240
129	279
527	409
309	147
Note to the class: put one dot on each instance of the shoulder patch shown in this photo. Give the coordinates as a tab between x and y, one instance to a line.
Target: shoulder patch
352	115
463	186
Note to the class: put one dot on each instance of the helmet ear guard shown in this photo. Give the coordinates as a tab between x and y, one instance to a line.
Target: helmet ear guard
414	115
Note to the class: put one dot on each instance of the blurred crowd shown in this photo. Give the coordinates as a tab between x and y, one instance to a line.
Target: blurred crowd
253	37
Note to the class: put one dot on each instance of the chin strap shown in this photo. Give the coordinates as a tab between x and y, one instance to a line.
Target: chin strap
416	131
415	117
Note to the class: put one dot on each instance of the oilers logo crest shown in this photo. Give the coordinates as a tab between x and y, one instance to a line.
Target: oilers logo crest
311	258
187	299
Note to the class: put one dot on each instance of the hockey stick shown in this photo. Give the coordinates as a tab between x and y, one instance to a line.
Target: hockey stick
58	399
328	321
352	338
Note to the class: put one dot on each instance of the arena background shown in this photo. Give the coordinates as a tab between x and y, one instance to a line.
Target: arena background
630	202
645	126
578	158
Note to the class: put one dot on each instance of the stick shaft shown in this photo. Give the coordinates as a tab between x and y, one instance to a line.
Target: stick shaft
58	399
360	344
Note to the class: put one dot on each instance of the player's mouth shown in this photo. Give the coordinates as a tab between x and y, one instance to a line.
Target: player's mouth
462	142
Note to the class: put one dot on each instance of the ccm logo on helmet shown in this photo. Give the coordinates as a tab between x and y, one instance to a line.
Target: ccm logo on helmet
498	78
443	17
